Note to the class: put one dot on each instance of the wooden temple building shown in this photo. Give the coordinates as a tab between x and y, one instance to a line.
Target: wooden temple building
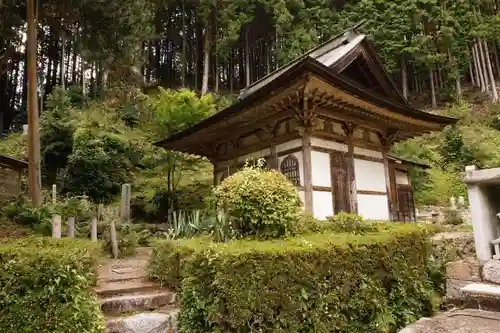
327	120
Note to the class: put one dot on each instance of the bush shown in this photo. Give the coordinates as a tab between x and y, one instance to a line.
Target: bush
351	223
46	286
316	283
263	203
127	239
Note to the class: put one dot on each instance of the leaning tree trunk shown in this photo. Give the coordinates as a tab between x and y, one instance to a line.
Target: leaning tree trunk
206	61
494	92
479	70
433	89
483	64
471	74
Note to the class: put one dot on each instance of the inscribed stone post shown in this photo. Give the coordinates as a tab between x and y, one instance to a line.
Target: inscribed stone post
125	204
93	229
71	227
56	226
54	193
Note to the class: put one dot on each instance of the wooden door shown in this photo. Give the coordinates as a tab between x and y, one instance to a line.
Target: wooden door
406	204
340	182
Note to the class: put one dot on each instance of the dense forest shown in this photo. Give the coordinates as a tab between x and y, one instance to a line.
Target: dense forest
441	53
431	47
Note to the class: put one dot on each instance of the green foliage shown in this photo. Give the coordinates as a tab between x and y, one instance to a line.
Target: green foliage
14	145
452	216
38	219
47	286
351	223
315	283
57	127
263	203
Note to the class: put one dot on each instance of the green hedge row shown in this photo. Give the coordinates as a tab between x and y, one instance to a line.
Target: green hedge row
324	282
46	286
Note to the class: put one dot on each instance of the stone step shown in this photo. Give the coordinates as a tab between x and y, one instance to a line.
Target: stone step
158	322
482	296
126	287
135	303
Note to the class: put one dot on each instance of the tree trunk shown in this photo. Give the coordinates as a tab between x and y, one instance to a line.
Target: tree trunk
471	74
183	57
246	54
456	74
206	61
490	72
404	78
84	81
63	56
497	59
230	72
433	89
479	71
483	65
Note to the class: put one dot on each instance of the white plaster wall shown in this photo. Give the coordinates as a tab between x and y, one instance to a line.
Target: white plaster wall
367	152
289	145
402	178
321	175
328	144
322	204
370	176
258	154
298	155
373	207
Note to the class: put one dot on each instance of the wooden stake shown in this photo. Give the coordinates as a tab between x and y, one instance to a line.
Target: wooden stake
71	227
114	240
56	226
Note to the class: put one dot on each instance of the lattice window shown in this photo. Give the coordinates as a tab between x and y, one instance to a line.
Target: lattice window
340	183
406	204
290	168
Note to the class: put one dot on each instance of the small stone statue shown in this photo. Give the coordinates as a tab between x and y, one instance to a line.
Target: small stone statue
461	202
453	203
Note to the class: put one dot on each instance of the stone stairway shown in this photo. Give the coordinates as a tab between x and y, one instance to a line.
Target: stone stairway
130	302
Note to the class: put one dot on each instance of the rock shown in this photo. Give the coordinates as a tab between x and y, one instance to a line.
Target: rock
145	323
453	287
491	271
467	270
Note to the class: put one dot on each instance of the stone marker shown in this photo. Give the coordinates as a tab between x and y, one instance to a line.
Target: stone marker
93	229
54	193
56	226
125	204
71	227
461	201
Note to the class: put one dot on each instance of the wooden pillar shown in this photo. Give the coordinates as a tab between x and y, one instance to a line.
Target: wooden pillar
385	153
351	173
215	174
274	164
307	167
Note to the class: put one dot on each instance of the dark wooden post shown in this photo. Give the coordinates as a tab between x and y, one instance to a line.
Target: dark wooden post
307	167
385	153
274	164
351	173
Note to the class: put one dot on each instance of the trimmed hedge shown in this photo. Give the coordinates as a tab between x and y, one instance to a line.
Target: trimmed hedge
316	283
46	286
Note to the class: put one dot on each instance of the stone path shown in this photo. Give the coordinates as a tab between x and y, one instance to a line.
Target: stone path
132	303
458	321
